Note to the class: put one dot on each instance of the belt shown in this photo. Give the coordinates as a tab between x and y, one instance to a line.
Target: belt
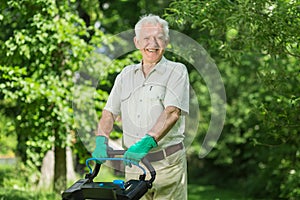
162	154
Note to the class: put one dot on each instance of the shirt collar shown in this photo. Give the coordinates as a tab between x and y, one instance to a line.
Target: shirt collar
159	67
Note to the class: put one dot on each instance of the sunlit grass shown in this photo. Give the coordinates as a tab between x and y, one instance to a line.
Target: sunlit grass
195	191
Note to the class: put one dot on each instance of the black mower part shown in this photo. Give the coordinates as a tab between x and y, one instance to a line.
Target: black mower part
117	189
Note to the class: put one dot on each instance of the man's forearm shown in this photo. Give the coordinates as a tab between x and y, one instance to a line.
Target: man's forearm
105	124
165	122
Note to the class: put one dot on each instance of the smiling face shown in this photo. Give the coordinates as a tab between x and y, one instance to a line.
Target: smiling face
151	42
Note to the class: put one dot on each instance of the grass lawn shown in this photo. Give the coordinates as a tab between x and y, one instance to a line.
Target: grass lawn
196	192
17	190
205	192
16	194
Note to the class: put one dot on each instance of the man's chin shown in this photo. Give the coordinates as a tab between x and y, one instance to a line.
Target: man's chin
152	59
152	56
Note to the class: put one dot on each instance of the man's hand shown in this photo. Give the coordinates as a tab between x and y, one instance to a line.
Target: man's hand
101	148
140	149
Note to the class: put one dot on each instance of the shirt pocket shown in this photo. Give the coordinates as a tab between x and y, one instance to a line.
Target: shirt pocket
125	95
156	93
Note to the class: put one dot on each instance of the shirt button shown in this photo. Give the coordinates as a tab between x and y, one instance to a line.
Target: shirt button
141	100
138	116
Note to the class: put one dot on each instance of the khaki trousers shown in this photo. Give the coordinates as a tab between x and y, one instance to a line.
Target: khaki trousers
171	178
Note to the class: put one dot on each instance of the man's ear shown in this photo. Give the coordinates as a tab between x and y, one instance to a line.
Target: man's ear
136	42
167	43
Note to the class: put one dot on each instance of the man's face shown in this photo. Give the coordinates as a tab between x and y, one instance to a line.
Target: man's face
151	43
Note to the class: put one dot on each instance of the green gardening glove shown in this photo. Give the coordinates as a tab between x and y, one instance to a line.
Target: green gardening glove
140	149
101	148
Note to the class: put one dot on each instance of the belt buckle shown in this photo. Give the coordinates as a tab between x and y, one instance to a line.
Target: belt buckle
164	153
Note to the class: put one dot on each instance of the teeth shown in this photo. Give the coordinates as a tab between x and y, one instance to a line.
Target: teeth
152	50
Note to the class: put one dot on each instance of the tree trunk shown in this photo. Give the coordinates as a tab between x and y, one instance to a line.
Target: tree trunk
47	171
60	170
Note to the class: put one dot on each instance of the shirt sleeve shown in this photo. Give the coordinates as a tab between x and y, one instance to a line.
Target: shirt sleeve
113	103
177	91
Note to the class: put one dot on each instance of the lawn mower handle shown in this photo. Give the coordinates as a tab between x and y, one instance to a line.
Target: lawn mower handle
112	153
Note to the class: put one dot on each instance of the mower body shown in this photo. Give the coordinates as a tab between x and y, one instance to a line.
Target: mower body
88	189
83	189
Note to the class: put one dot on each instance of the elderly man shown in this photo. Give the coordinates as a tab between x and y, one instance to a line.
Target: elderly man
152	98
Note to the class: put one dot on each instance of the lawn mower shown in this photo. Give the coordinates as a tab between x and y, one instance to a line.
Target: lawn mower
117	189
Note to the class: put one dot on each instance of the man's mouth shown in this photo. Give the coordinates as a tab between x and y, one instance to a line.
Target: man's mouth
151	50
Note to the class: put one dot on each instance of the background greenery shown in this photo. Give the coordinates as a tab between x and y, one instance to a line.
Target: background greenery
255	44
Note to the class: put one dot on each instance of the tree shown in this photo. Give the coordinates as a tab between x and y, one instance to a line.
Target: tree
42	44
256	47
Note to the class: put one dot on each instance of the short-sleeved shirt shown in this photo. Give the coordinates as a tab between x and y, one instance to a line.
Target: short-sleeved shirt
140	100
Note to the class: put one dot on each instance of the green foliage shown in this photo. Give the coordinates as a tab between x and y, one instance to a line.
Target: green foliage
10	176
42	44
8	140
7	194
240	25
256	47
278	112
115	20
37	73
14	186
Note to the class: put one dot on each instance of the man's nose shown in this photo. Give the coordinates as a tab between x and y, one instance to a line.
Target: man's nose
153	41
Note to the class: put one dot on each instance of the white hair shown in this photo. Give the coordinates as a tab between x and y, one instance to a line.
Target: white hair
154	20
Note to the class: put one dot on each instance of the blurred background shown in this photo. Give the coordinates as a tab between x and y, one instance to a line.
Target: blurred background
45	51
